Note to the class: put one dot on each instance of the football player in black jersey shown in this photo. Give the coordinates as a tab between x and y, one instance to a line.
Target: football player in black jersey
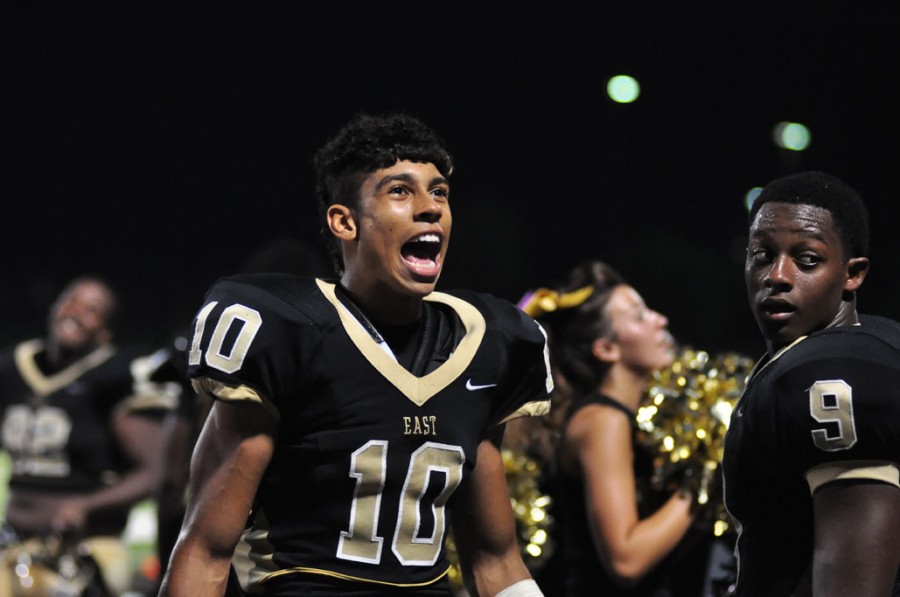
357	420
83	448
812	450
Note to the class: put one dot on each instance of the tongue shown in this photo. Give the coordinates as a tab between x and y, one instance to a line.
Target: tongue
417	260
423	266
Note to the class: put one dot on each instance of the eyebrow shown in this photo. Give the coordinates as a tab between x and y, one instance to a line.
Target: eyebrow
407	178
818	234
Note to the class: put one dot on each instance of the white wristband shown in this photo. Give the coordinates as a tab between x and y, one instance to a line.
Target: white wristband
523	588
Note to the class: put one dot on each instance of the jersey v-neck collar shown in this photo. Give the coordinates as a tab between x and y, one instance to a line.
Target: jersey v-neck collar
415	388
44	385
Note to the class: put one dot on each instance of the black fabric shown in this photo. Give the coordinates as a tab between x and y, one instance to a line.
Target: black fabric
577	570
845	376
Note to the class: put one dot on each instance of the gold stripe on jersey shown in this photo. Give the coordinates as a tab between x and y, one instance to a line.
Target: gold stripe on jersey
872	470
44	385
143	402
253	558
418	389
216	390
333	574
537	408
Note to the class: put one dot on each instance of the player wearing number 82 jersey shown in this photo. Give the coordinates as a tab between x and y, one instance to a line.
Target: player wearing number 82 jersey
371	441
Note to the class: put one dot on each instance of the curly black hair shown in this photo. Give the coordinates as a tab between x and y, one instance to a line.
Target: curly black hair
365	144
848	212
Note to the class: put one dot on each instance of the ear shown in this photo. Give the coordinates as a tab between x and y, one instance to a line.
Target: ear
606	350
857	268
341	222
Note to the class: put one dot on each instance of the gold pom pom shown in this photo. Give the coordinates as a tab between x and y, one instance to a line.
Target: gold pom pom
684	420
531	509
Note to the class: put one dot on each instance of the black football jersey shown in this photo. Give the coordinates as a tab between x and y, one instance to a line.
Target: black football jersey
367	453
56	422
823	409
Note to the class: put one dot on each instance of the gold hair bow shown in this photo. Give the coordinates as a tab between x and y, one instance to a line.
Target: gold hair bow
544	300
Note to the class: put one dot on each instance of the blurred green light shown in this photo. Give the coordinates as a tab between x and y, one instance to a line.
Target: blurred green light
623	89
792	135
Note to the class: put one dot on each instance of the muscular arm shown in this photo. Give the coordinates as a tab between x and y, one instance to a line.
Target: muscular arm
484	526
857	539
232	453
599	438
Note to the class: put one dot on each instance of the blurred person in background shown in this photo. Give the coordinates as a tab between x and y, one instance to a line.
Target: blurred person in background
617	535
83	447
163	375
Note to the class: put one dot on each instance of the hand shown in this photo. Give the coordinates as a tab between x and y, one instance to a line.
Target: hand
70	516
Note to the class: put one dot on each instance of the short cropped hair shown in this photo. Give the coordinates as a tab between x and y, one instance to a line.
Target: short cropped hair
365	144
848	212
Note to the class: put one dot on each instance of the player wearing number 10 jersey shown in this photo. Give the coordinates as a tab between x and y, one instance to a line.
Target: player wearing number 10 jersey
357	420
371	456
812	453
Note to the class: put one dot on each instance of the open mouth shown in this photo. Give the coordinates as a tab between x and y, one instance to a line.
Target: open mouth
422	254
776	309
68	325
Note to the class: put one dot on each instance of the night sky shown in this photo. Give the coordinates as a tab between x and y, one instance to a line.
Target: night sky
160	143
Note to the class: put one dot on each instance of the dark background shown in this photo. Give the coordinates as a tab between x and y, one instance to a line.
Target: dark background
159	143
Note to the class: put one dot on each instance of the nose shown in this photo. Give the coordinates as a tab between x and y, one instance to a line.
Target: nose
66	307
661	320
428	208
780	273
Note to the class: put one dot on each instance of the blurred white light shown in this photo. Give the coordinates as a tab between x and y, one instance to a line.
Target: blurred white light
751	196
623	89
791	135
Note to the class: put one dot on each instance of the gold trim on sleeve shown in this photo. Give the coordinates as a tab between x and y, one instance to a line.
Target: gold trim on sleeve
216	390
872	470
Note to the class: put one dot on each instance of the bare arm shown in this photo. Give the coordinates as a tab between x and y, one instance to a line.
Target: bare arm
178	442
484	526
140	438
232	453
857	539
599	438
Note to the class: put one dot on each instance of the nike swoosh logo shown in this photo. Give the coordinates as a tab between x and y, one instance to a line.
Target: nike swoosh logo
471	387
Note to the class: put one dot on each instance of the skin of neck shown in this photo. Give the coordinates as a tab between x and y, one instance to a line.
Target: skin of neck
625	385
846	315
380	303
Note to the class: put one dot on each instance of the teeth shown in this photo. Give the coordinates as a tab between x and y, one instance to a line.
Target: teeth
68	324
427	238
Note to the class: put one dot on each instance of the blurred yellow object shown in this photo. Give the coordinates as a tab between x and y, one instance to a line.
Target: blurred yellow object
47	567
531	509
684	420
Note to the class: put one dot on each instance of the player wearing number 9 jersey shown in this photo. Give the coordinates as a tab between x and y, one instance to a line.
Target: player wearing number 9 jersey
824	409
357	420
812	450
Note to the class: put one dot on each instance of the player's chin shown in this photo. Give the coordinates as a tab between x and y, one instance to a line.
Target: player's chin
71	341
421	287
421	280
779	333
